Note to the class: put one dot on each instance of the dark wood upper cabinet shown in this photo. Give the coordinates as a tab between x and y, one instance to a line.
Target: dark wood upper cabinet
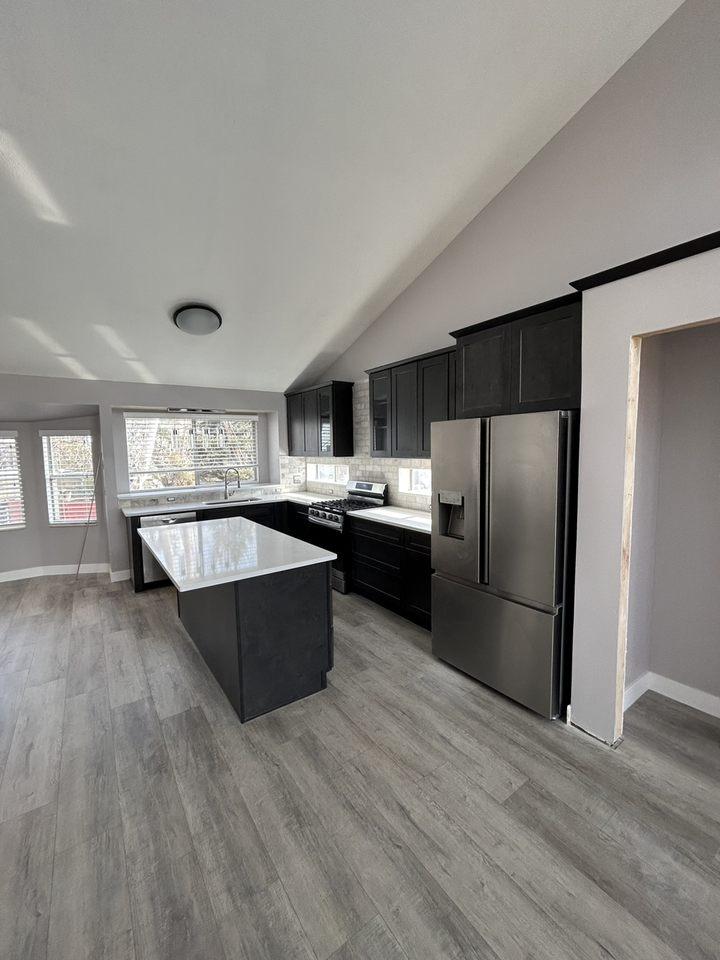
296	427
483	373
341	419
320	421
434	396
405	410
380	400
405	398
523	362
310	420
452	384
546	361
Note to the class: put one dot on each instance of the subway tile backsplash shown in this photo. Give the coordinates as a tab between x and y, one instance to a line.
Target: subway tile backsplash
362	466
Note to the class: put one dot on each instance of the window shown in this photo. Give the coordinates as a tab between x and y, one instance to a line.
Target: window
12	502
165	452
328	473
415	480
69	479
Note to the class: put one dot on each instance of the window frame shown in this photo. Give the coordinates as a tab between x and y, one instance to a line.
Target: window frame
407	481
196	468
15	436
49	478
314	467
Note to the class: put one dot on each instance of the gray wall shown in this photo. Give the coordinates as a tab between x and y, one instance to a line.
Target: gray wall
39	544
634	171
111	395
685	633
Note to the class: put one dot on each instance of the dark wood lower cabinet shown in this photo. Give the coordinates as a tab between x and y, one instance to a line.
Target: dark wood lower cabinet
296	521
268	640
265	513
417	578
391	566
384	563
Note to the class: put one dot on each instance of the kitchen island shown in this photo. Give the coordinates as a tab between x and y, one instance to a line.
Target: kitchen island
256	603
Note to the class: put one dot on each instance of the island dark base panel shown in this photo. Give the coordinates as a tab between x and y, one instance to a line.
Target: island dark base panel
267	640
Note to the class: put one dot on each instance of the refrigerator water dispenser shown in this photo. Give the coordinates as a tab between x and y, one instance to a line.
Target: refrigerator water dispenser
451	514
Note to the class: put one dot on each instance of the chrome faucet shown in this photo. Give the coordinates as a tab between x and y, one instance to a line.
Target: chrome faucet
237	473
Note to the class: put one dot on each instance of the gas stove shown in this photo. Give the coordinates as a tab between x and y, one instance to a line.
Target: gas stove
361	496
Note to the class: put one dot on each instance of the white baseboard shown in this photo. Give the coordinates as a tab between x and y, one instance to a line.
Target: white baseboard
690	696
116	575
57	570
637	688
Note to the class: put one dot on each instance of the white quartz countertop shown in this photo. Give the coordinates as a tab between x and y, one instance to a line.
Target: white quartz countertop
209	552
185	506
397	517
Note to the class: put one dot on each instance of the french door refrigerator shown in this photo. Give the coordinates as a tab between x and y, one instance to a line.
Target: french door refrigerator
503	531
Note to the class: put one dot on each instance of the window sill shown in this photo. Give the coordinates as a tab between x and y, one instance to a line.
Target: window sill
162	492
13	526
73	523
179	491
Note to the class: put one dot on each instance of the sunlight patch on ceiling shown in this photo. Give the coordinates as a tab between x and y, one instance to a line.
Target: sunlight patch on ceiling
76	368
28	181
34	330
126	353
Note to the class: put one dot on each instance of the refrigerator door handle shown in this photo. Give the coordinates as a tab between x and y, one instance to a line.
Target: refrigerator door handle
484	538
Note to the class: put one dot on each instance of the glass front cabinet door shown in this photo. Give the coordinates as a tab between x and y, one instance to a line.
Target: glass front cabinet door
380	394
325	421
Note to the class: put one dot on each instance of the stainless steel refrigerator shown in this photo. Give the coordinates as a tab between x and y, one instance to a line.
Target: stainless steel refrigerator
503	532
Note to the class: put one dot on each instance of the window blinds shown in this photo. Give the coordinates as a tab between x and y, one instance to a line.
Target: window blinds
69	477
189	451
12	502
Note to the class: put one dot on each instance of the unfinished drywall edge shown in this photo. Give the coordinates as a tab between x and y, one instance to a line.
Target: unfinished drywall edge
633	392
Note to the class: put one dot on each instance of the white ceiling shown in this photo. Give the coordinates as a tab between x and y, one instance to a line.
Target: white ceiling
296	164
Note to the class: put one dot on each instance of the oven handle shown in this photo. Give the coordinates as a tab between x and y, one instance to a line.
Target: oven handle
324	523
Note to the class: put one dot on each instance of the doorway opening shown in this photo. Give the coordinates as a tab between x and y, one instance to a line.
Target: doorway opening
670	590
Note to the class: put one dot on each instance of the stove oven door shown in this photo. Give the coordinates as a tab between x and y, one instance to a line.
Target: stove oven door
334	541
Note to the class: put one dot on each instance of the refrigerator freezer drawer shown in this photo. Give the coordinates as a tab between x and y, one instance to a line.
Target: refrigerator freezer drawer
512	648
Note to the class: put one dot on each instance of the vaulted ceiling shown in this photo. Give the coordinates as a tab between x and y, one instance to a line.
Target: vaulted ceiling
295	164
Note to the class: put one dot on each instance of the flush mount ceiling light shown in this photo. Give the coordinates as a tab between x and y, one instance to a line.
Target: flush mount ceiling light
198	319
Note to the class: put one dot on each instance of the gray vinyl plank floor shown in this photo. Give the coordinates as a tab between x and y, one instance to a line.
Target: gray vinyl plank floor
405	813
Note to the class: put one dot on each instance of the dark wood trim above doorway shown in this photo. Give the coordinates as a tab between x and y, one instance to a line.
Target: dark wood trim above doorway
710	241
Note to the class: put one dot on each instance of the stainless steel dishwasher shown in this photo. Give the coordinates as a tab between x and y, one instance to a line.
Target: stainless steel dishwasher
152	571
